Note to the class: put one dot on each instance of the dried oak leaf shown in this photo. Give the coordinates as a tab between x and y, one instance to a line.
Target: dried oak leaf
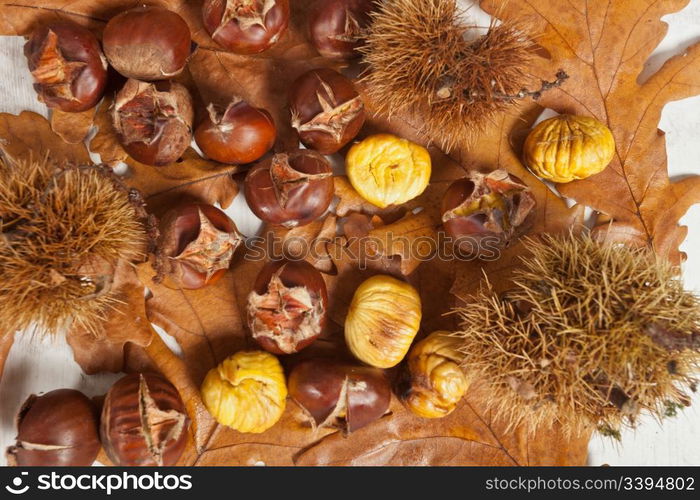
72	127
126	325
29	135
603	46
191	178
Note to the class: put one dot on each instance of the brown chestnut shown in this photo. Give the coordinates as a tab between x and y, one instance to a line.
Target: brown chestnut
69	70
341	396
291	189
327	110
246	26
196	245
153	121
143	421
147	43
238	134
57	429
335	26
484	212
287	307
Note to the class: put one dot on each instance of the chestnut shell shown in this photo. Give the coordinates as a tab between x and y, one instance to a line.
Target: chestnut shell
306	202
121	427
147	43
63	418
316	386
245	40
242	134
76	44
335	26
295	273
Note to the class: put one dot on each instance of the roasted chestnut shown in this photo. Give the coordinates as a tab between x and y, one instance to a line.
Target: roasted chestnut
153	121
246	26
196	245
335	26
147	43
287	307
327	110
483	213
341	396
69	70
143	421
238	134
58	429
291	189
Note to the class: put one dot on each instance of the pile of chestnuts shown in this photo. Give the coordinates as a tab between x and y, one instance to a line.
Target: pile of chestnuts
143	420
142	423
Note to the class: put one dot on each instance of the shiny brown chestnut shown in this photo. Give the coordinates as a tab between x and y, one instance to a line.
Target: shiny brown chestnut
327	110
147	43
290	189
341	396
238	134
153	121
335	26
143	422
483	213
69	69
288	306
196	244
58	429
246	26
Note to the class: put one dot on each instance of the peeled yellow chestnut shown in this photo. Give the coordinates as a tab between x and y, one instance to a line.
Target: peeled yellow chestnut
143	422
147	43
290	189
196	244
238	134
69	70
153	121
58	429
335	26
387	170
340	396
567	147
327	110
287	307
246	26
383	320
246	392
434	383
483	213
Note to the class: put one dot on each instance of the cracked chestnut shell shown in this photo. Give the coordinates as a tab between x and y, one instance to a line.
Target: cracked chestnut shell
483	213
288	306
238	134
147	43
58	429
290	189
143	422
246	26
69	69
153	121
335	26
196	244
341	396
327	110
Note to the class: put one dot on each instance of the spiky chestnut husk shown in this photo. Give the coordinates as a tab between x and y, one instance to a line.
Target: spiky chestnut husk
591	334
61	229
420	59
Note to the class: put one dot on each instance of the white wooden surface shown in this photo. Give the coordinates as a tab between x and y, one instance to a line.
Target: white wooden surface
37	365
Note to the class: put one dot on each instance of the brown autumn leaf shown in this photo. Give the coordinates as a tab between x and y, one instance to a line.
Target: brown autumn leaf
73	128
105	350
29	135
603	46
